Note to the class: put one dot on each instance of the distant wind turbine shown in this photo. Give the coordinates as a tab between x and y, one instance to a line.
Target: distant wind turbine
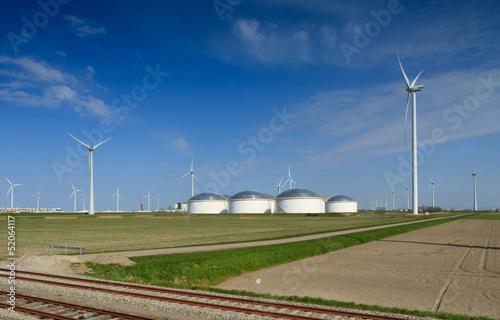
393	201
386	201
279	185
91	170
118	197
11	191
290	178
475	194
412	90
192	177
149	199
73	194
376	203
407	199
158	204
432	186
83	200
37	199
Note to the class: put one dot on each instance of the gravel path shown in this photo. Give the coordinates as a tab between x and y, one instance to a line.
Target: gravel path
140	253
452	267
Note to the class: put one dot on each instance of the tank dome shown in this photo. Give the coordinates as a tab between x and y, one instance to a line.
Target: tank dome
249	195
207	196
298	193
339	197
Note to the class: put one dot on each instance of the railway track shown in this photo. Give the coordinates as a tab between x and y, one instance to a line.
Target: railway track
52	309
244	305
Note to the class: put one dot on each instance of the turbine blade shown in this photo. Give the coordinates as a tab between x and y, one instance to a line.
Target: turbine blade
73	186
192	163
413	83
280	181
101	143
286	181
196	178
406	115
86	146
185	175
9	191
404	74
19	184
8	181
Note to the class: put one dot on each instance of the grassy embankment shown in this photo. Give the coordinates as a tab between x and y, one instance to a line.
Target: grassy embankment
206	269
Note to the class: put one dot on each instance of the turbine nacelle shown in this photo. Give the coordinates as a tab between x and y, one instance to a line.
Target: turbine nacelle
415	88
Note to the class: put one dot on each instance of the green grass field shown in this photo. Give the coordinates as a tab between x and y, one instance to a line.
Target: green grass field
133	231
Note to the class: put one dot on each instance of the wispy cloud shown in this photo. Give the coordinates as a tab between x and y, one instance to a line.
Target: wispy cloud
83	27
180	144
354	125
45	86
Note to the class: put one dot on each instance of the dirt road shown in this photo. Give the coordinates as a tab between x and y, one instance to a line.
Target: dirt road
453	267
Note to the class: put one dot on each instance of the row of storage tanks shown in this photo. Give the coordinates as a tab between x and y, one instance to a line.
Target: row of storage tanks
297	200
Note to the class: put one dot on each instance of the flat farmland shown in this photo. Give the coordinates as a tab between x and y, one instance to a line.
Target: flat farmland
452	267
109	233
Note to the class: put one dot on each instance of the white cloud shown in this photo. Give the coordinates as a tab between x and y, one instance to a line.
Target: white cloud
90	73
83	27
354	125
62	54
45	86
30	69
180	144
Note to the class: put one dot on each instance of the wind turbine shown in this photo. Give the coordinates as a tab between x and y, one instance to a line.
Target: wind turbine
192	177
91	170
475	194
158	204
386	201
432	186
118	197
290	178
393	201
407	199
83	200
412	90
376	203
149	198
74	194
279	185
37	199
11	191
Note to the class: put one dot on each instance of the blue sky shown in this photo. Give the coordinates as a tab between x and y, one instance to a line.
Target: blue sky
247	88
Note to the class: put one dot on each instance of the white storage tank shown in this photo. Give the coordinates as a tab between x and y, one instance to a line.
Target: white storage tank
341	203
299	200
251	201
207	203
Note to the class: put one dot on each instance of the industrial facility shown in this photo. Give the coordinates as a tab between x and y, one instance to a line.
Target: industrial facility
251	202
299	200
207	202
341	203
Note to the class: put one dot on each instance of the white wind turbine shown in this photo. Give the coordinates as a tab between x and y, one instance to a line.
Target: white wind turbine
475	194
91	170
158	204
279	185
11	191
386	201
149	199
432	186
73	194
192	177
118	197
83	200
37	199
393	201
290	178
412	90
407	199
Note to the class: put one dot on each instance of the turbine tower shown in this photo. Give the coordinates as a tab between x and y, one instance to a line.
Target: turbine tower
386	201
83	200
73	194
279	185
91	170
393	201
290	178
158	204
37	199
149	199
407	199
412	90
11	191
118	197
432	186
475	194
376	203
192	177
